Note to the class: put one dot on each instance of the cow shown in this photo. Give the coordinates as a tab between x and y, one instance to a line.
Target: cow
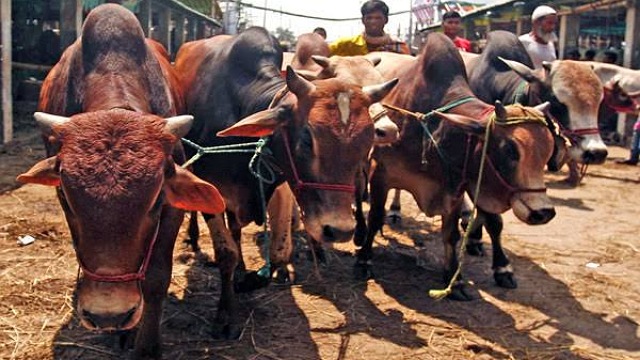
108	115
439	159
308	45
503	72
621	86
317	134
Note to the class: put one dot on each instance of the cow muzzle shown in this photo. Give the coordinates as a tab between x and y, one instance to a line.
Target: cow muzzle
533	209
385	131
108	306
591	150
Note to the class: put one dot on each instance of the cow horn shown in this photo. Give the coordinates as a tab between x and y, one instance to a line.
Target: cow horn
501	112
521	69
378	92
48	121
297	84
544	107
179	126
321	60
375	60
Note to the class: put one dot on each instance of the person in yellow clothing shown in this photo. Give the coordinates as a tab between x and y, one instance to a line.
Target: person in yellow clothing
375	15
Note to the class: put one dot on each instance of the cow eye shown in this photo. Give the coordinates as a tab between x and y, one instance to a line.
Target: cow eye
510	150
305	142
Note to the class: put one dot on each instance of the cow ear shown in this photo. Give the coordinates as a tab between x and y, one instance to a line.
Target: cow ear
522	70
188	192
44	172
262	123
468	124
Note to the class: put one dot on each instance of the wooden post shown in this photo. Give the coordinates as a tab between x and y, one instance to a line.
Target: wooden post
178	34
191	28
144	16
569	30
164	22
7	97
70	21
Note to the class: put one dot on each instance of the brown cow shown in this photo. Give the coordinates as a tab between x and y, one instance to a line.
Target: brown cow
437	166
318	133
113	162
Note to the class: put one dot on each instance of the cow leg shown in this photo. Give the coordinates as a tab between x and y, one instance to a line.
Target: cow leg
244	281
574	173
394	214
155	286
281	220
228	257
377	199
193	232
361	223
474	242
450	238
502	270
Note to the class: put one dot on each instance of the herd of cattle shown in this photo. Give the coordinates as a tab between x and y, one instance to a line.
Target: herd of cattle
110	114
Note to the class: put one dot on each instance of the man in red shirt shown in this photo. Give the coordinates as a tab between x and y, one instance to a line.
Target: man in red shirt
451	22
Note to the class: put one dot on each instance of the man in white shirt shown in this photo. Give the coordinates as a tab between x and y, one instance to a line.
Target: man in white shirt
539	42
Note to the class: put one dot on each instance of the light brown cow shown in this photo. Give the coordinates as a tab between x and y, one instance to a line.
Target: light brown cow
113	147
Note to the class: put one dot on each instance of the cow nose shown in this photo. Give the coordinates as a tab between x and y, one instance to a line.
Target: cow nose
595	156
335	234
542	216
110	321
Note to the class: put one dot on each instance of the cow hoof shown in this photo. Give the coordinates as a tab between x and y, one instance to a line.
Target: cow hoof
394	217
462	292
359	235
250	282
505	280
475	248
363	270
282	276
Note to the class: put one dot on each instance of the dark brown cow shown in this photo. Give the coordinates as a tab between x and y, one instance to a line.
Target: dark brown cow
438	168
113	162
318	133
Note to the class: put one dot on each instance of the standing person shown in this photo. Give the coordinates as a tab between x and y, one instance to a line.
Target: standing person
321	31
540	41
634	155
375	15
451	25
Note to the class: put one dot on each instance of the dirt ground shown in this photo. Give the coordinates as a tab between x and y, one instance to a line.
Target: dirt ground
577	297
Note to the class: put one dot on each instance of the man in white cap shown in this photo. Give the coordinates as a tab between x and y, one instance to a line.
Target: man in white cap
539	42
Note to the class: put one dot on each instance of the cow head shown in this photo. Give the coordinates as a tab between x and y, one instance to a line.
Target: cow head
361	71
519	146
618	99
575	93
322	134
116	181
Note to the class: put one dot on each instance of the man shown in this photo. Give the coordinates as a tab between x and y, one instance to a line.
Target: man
539	42
375	15
451	22
321	31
